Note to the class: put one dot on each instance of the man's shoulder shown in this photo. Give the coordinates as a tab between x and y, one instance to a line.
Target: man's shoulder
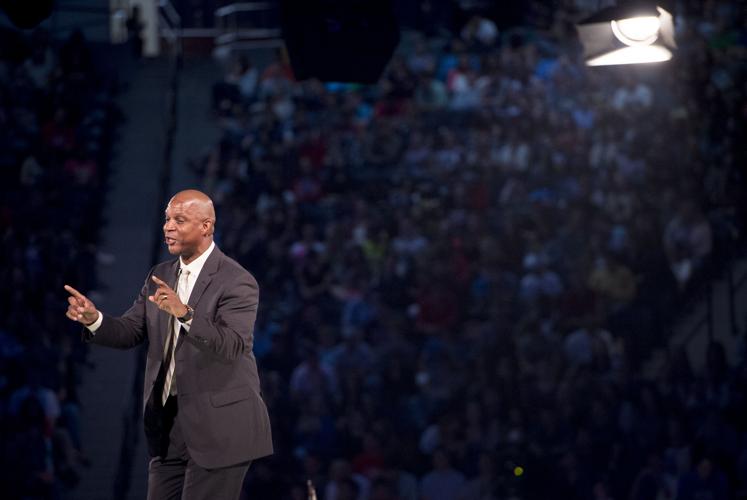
164	268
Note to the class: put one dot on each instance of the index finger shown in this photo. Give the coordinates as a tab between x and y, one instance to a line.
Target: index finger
75	293
159	281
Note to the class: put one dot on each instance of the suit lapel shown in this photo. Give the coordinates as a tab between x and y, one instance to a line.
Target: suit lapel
162	320
206	276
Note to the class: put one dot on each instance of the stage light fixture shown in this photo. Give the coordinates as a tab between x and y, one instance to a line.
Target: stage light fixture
627	34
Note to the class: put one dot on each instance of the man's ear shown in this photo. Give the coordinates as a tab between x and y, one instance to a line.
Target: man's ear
207	226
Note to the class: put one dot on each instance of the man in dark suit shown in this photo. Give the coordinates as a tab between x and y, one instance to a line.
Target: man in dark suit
205	420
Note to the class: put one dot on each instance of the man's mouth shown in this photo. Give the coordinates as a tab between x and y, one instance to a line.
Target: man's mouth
170	241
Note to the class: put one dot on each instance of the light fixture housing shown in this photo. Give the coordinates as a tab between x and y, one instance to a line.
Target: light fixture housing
633	33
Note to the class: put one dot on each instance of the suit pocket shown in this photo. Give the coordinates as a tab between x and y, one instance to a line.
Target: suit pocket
229	396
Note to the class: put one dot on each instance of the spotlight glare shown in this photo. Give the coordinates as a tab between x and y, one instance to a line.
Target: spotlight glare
626	34
633	55
637	30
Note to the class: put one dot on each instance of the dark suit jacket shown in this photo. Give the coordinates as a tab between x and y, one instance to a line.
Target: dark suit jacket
223	417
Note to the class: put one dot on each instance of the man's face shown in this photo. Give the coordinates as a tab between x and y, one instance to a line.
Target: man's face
183	228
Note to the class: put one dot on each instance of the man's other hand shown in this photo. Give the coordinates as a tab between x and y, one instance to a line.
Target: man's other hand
79	308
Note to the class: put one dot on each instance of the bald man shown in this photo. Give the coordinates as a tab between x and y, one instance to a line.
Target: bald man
205	420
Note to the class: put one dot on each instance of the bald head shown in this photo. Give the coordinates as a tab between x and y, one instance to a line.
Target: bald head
189	224
196	201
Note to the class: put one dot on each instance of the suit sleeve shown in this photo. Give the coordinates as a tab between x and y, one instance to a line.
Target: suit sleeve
231	334
126	331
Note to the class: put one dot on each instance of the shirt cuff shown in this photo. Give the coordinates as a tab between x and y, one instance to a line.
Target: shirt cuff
186	324
96	324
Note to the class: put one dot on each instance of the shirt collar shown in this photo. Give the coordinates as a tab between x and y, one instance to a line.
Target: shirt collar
195	266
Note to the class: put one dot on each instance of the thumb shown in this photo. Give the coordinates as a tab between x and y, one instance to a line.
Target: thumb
87	305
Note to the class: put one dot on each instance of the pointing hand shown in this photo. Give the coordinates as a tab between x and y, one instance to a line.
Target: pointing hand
80	308
166	299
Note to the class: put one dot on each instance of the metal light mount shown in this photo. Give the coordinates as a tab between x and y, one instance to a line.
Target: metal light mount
633	33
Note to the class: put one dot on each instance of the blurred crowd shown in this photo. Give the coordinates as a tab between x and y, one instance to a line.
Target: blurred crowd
56	117
464	268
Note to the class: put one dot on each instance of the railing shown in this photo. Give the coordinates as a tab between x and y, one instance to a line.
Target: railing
248	25
170	26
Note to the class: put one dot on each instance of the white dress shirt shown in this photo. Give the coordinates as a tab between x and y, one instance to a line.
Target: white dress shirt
194	267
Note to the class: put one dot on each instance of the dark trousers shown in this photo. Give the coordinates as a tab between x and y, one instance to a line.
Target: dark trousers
176	476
